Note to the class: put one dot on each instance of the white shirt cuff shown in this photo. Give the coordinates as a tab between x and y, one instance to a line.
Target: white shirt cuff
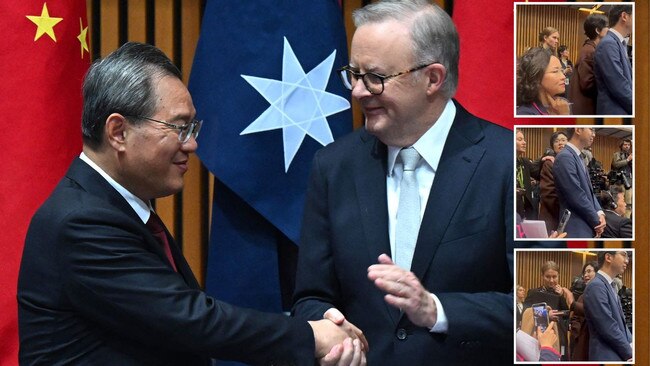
601	213
442	324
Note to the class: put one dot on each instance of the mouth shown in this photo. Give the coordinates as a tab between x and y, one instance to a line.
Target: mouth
370	111
182	165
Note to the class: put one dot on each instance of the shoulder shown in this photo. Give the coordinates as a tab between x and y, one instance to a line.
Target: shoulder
527	110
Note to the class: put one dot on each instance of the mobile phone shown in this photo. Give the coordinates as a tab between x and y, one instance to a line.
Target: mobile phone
540	315
563	221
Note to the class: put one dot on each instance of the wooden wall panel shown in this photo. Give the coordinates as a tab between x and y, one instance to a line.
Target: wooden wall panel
531	19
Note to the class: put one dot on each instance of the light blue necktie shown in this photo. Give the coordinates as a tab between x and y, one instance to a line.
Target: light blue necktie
408	210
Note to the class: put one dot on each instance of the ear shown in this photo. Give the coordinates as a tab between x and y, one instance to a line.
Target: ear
115	131
436	75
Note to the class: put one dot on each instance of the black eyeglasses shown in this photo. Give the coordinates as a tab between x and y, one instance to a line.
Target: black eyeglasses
184	131
372	81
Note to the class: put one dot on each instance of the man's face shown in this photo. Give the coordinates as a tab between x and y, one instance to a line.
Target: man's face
154	160
621	206
627	22
585	136
626	146
618	262
385	48
521	143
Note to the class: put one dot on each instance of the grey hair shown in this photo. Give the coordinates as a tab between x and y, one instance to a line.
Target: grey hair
433	33
123	83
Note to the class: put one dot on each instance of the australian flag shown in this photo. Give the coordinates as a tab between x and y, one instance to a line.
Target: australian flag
264	81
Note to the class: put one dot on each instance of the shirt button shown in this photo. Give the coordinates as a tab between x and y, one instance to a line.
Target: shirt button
401	334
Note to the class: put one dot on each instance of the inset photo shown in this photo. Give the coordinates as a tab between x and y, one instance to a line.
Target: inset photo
574	306
574	60
574	182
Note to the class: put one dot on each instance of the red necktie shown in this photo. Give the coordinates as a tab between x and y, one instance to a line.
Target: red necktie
157	228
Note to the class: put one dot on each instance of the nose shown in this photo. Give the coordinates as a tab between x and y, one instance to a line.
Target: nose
190	145
359	90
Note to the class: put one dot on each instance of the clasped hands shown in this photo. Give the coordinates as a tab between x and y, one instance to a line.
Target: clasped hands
403	291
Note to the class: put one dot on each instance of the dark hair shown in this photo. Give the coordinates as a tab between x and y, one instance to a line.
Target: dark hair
593	264
620	145
601	257
122	82
561	49
593	24
607	200
616	11
554	137
530	72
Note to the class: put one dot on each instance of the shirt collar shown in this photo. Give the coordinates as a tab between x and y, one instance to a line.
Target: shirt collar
609	279
574	148
430	145
618	35
141	208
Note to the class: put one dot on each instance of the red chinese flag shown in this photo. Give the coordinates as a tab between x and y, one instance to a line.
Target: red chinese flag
44	52
486	72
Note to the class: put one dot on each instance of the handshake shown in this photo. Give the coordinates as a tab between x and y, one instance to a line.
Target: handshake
338	342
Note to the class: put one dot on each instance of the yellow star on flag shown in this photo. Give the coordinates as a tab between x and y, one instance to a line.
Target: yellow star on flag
45	23
83	38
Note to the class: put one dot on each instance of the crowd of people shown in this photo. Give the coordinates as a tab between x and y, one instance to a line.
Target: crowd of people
590	319
600	83
572	179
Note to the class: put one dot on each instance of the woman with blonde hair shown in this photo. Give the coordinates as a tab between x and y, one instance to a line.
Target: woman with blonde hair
549	38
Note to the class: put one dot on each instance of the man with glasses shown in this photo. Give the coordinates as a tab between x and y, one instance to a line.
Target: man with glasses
609	338
101	280
408	226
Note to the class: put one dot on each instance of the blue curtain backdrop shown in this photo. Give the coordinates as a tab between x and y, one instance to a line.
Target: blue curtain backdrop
266	62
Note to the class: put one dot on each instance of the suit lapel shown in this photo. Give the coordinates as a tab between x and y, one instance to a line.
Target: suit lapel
370	183
93	182
460	157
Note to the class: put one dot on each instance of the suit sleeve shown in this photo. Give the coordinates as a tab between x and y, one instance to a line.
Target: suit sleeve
579	201
611	68
317	286
597	307
113	277
626	228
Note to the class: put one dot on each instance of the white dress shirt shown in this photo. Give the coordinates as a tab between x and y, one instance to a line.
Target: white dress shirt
430	147
141	208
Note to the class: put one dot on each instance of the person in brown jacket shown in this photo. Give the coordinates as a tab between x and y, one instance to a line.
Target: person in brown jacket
549	206
584	90
579	330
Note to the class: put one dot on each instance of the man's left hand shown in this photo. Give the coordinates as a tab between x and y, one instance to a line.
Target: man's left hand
404	291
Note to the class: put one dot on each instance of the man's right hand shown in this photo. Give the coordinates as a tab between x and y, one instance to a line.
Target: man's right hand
327	335
335	316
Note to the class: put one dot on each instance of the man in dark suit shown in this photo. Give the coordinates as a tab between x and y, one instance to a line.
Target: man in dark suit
613	203
612	66
609	338
424	181
101	280
574	188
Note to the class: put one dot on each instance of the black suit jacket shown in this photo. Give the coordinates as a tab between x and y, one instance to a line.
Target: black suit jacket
95	288
617	226
463	253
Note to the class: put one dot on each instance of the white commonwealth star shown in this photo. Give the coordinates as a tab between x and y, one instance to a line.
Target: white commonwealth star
299	103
